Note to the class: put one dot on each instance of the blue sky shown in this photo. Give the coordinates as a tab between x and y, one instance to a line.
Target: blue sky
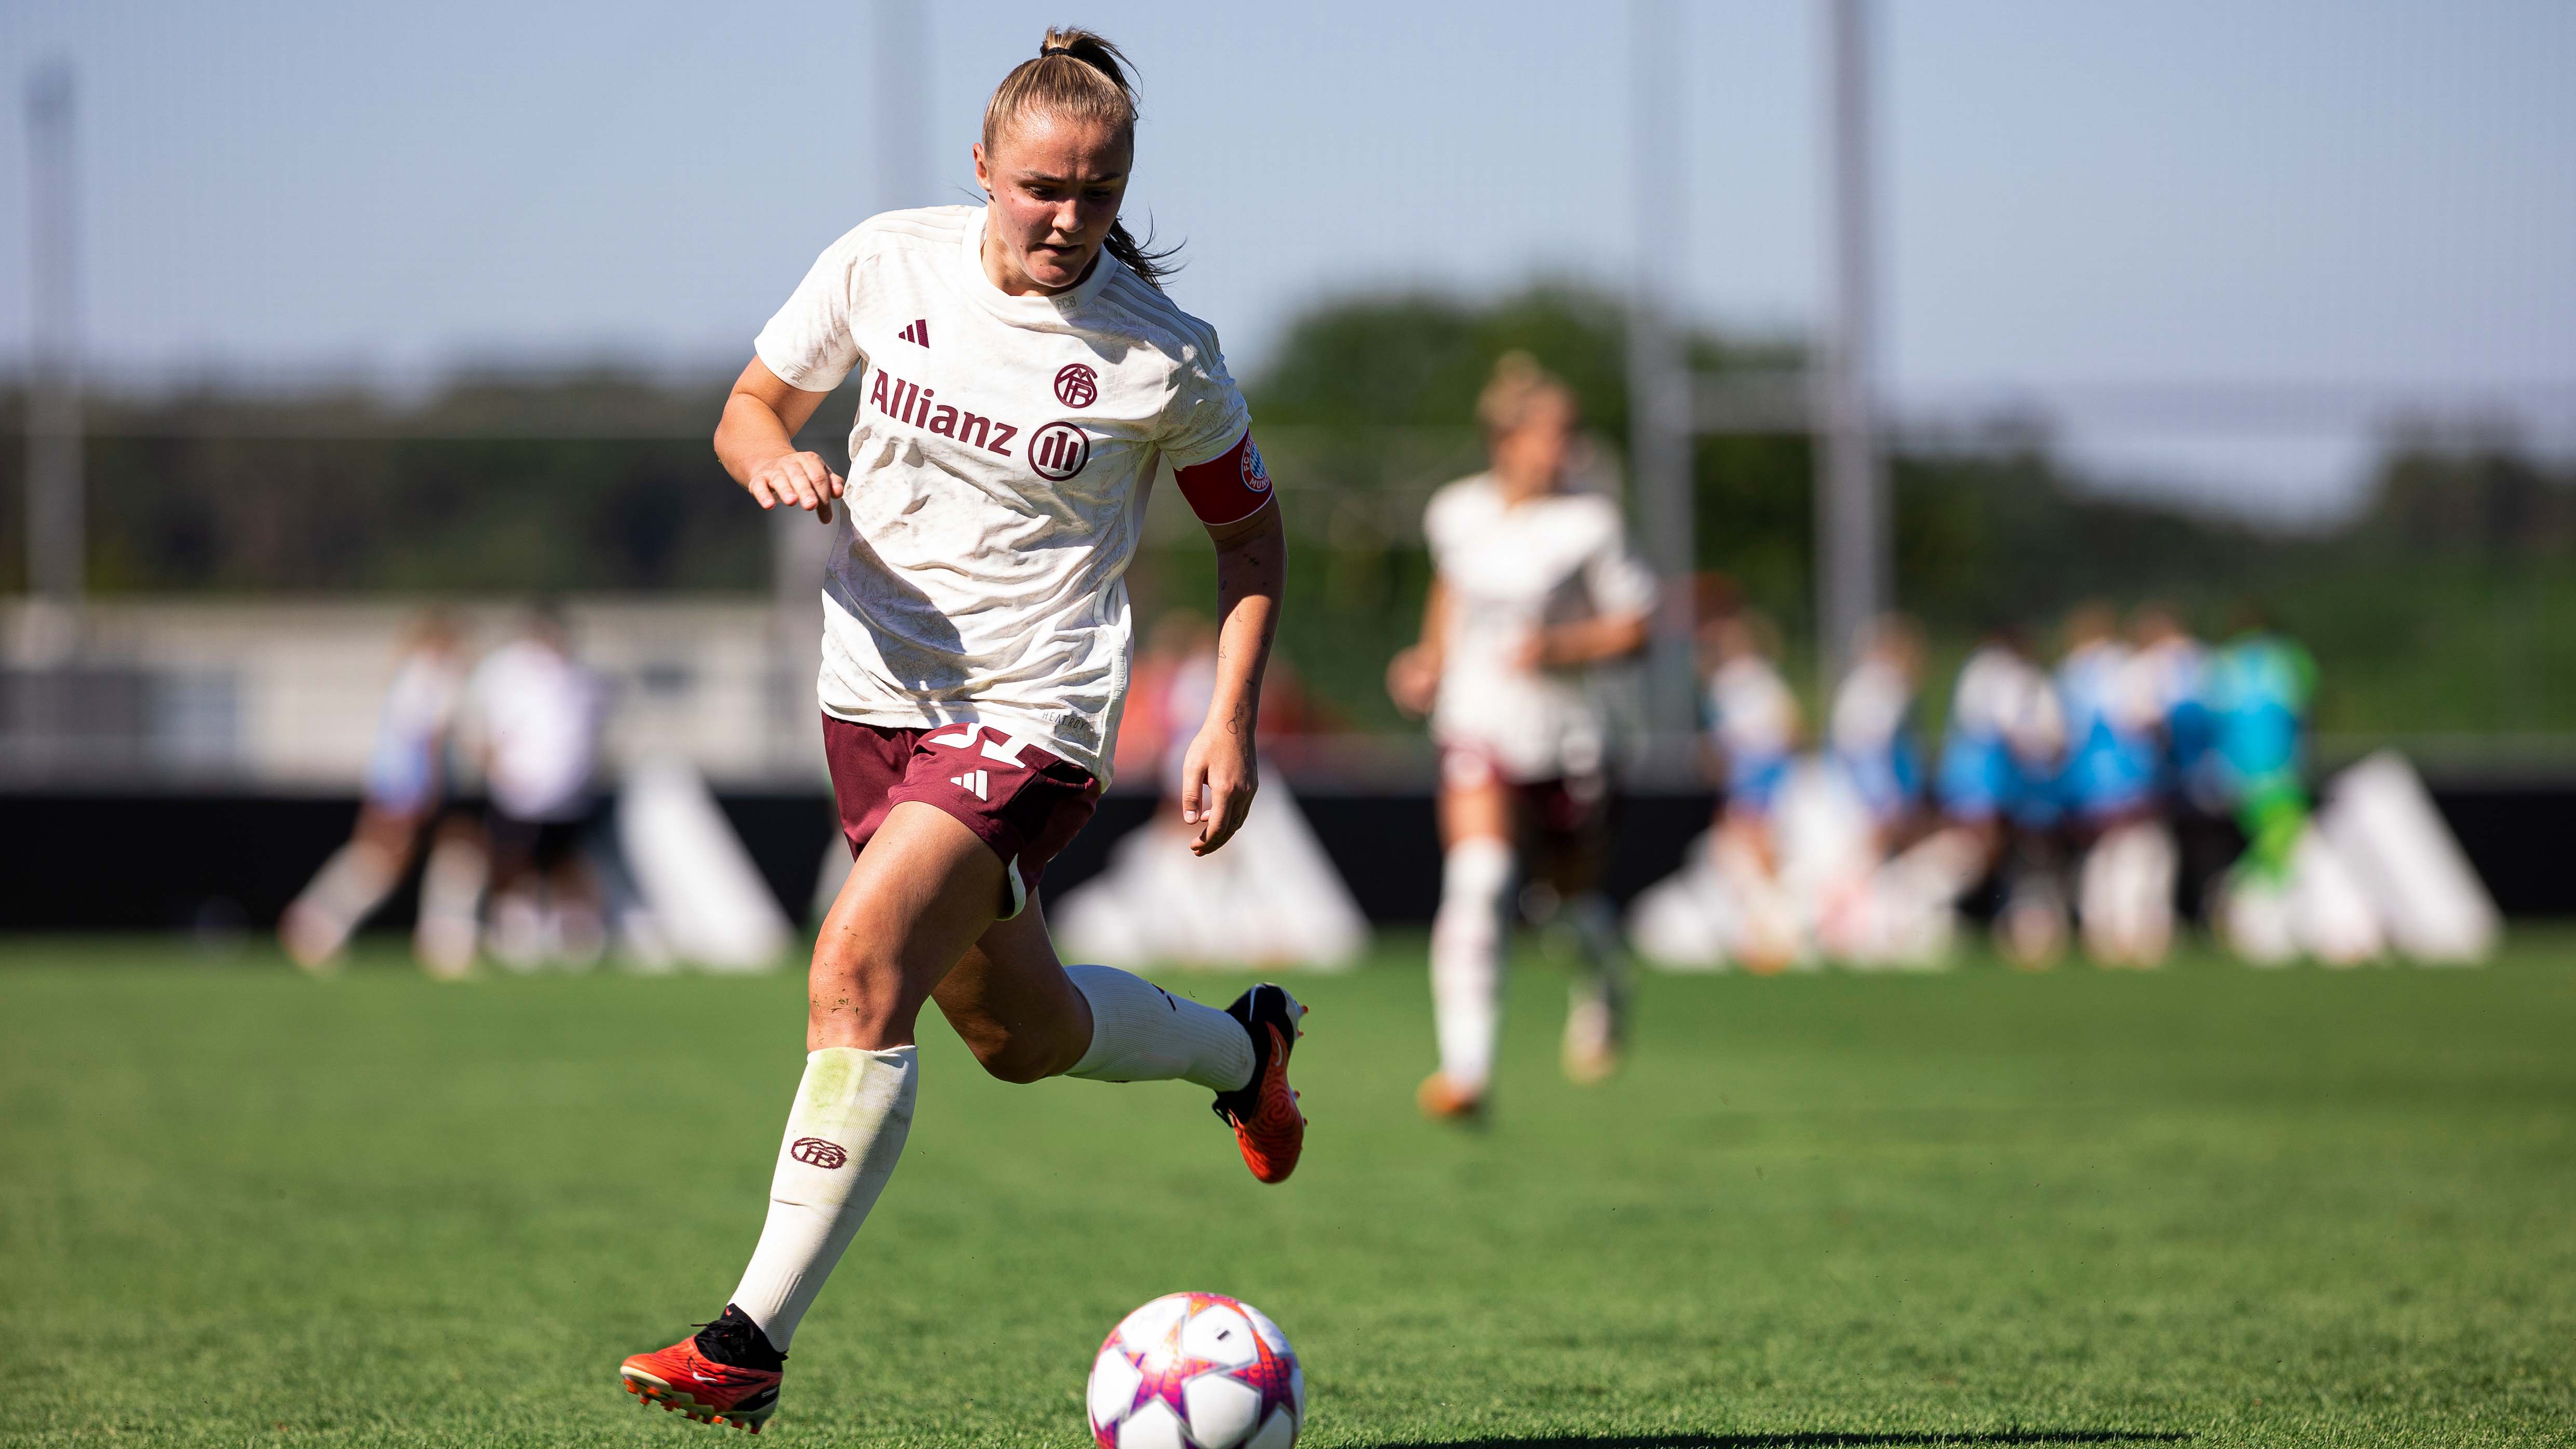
2359	193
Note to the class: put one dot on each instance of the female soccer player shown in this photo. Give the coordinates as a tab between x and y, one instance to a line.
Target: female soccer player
1532	583
1024	374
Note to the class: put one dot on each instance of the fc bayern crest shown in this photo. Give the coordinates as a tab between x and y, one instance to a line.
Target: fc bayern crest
1256	474
1059	450
1076	385
817	1152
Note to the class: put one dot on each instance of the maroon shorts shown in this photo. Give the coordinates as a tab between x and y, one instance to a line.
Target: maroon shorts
1018	799
1561	812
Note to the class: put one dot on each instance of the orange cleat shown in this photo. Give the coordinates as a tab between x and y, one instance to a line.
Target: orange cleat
1443	1100
1263	1112
683	1380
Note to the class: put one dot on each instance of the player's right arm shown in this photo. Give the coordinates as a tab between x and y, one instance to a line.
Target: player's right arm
756	442
1413	675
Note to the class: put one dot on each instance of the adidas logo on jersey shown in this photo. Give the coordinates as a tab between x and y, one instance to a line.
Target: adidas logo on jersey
973	782
910	402
918	333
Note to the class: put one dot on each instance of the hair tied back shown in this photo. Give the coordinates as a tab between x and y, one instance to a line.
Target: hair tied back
1094	89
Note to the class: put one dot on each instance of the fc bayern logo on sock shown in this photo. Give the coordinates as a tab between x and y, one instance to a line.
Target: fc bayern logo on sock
815	1152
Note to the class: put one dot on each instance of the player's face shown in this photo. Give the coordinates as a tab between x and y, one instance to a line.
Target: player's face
1533	456
1056	185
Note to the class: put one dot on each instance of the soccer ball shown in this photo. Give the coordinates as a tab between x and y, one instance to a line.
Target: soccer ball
1196	1371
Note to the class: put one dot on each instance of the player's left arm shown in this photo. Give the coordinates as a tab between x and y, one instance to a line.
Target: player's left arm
1602	637
1231	494
1220	773
1623	593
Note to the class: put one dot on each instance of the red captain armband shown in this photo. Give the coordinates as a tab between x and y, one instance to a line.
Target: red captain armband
1227	489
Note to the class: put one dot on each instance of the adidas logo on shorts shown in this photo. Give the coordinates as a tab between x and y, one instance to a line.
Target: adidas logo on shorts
973	782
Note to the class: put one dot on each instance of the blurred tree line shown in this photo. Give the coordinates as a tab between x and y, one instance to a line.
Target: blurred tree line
2446	605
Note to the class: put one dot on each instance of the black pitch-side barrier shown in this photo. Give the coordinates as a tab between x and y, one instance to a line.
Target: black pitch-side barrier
220	862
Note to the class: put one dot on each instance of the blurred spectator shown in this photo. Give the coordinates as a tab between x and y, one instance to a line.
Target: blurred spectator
1754	728
1870	733
2257	694
407	784
2172	668
1998	782
2124	890
539	713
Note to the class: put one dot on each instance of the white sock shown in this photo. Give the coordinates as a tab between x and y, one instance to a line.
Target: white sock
844	1134
451	897
1142	1033
1467	959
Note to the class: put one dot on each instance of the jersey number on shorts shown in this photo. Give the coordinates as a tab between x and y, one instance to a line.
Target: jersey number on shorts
1002	747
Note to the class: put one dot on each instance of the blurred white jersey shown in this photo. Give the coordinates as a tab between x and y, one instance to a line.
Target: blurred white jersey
540	717
1755	716
1870	708
422	702
2167	674
404	767
1508	572
2002	696
999	465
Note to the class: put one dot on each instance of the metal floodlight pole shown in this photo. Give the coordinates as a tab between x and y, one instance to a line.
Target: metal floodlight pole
56	544
1853	561
1658	380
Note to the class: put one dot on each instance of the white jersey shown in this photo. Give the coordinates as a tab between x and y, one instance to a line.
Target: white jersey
999	466
1508	572
2004	697
403	770
1870	709
1753	716
540	715
2168	675
421	703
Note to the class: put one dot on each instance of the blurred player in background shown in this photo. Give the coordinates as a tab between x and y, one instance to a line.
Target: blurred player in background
2172	668
406	788
1025	377
1998	784
537	712
1754	727
1870	734
1533	584
2125	884
2257	689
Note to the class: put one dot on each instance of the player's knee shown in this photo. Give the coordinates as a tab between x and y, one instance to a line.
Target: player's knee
1020	1059
1476	871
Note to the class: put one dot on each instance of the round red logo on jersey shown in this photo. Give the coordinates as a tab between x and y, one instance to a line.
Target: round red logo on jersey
1256	474
1059	450
815	1152
1076	385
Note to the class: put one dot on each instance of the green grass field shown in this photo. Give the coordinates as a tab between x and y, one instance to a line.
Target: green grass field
2208	1206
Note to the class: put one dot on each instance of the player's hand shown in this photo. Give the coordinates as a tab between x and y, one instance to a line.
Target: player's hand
1530	655
1218	778
799	479
1413	680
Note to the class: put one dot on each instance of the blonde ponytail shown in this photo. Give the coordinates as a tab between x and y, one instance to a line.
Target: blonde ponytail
1080	75
1517	387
